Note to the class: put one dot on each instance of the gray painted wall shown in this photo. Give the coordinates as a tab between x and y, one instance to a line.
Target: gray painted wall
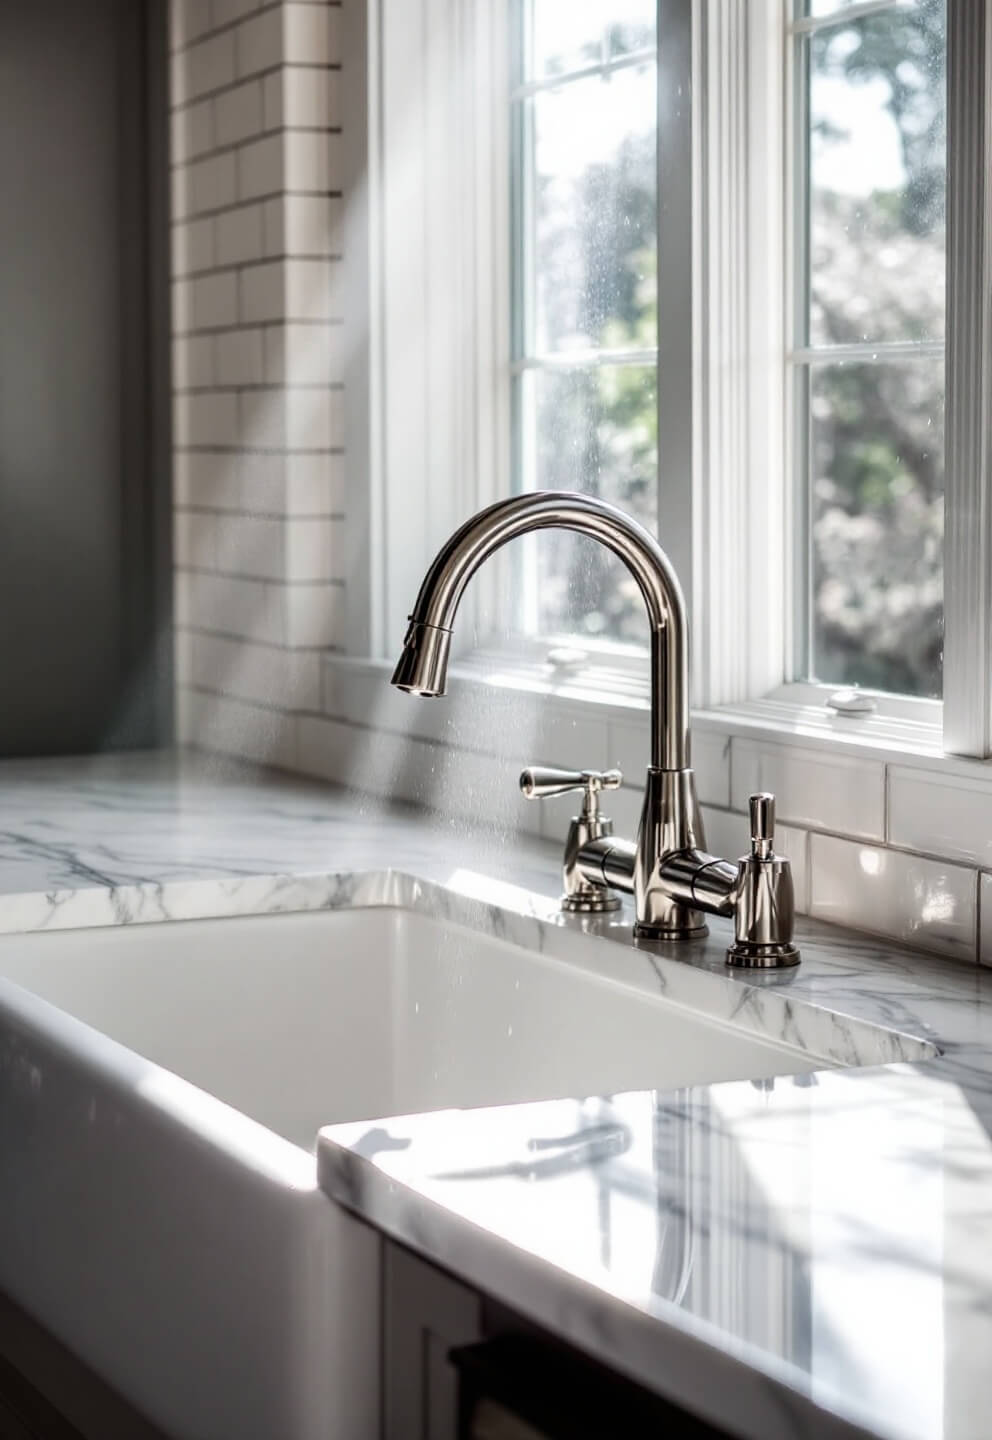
79	607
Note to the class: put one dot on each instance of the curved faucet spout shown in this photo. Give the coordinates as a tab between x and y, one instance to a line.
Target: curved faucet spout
423	664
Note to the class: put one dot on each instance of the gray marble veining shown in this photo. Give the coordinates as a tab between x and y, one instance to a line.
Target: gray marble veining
811	1255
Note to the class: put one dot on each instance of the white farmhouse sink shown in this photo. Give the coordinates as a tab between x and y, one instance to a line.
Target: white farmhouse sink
160	1213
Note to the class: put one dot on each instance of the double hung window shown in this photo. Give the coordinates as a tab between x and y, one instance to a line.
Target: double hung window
861	353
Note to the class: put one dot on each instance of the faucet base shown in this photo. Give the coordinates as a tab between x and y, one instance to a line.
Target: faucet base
688	931
590	904
745	955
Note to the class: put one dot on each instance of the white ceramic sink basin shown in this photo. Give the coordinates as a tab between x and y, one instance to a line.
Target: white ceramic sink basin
162	1216
303	1020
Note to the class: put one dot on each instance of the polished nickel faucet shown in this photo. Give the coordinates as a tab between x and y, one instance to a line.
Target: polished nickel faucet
672	877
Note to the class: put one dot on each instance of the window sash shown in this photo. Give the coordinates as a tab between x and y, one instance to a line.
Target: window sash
802	357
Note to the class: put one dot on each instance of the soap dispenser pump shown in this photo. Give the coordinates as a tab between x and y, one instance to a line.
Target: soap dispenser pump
764	897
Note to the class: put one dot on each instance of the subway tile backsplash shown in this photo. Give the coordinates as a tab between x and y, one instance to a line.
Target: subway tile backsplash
929	904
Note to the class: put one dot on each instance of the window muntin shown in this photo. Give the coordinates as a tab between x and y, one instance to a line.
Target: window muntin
868	374
584	124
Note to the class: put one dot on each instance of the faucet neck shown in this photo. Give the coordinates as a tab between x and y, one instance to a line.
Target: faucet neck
486	532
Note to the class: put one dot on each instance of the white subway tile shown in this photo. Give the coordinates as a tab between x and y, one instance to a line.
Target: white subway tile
238	113
263	419
252	609
260	167
182	640
315	485
314	550
273	226
251	546
275	355
313	290
260	42
194	540
188	20
236	727
182	305
311	225
824	792
239	357
941	814
210	64
262	293
178	80
227	11
312	34
267	674
212	183
304	95
193	362
191	131
210	418
449	781
239	235
921	902
314	160
272	100
314	419
192	246
180	193
215	301
315	614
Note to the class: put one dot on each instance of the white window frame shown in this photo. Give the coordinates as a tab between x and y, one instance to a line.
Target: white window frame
439	401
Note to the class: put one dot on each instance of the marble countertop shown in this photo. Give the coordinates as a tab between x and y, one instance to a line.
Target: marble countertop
805	1256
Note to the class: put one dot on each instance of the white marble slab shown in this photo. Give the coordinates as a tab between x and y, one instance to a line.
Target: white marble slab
790	1258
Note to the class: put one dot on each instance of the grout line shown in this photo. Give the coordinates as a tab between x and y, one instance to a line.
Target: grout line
245	19
337	581
234	147
176	107
243	450
332	258
279	323
215	211
257	201
259	704
204	632
262	387
249	512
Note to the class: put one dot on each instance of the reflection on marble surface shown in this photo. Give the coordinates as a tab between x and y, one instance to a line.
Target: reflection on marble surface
833	1232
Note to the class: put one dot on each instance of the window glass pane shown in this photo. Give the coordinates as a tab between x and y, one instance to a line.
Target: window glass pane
877	522
594	254
877	177
596	430
572	34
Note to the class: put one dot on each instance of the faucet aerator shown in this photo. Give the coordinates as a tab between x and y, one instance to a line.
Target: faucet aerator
422	668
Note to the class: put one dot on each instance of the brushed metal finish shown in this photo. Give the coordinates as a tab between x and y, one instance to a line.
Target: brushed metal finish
673	878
